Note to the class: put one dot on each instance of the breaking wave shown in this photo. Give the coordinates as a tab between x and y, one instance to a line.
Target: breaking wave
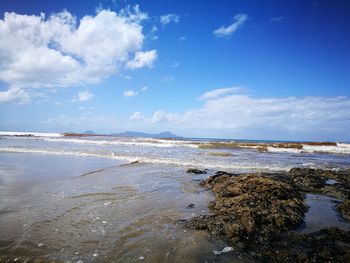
201	163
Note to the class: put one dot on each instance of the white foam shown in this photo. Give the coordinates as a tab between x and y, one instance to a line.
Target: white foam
341	148
224	250
283	150
155	160
36	134
142	142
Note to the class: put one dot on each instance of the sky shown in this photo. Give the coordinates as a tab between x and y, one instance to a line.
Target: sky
245	69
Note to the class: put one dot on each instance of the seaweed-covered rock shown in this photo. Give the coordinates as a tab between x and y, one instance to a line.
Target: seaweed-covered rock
344	209
250	208
308	179
315	180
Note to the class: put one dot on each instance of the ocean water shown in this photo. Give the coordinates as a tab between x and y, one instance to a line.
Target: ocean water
82	199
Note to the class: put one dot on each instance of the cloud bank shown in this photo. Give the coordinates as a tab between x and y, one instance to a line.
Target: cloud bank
39	52
246	116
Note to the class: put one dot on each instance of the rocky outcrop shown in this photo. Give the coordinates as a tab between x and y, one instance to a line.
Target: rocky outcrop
251	208
258	213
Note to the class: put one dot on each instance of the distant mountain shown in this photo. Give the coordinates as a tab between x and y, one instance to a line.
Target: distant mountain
147	135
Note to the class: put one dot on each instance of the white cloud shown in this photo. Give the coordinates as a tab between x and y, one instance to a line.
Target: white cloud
152	34
137	116
60	51
14	95
142	59
229	30
85	95
219	92
130	93
154	29
163	116
144	88
183	38
169	18
246	116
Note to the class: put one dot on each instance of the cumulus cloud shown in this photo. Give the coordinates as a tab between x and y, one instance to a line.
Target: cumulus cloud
229	30
142	59
85	95
169	18
144	88
219	92
246	116
130	93
136	116
62	51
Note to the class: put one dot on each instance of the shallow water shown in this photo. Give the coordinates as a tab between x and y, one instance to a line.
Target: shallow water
119	213
322	213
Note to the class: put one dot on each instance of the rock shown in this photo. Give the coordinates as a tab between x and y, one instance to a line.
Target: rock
315	181
251	208
308	179
220	175
344	209
190	206
195	171
257	214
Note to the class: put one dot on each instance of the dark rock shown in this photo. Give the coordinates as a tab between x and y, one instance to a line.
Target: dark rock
195	171
344	209
315	181
190	206
220	174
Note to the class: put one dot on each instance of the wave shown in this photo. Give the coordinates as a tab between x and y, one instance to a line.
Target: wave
35	134
142	142
258	167
340	148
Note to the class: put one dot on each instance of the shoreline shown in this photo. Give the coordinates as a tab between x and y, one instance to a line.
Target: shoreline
261	212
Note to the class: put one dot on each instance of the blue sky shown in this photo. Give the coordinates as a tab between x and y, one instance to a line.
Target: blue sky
228	69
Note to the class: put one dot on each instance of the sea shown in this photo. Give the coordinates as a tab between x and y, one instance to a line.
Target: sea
118	199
